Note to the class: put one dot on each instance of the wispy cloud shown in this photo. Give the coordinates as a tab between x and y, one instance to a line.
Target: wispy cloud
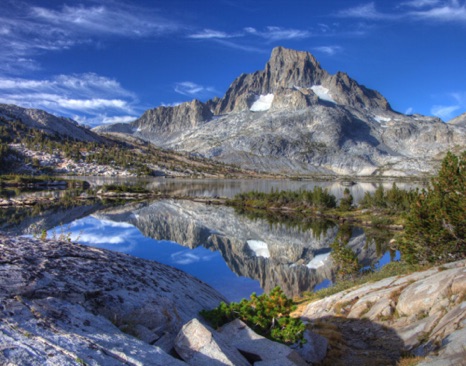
329	50
420	3
191	89
273	33
444	112
246	38
429	10
210	33
26	31
366	11
451	11
92	96
118	119
120	19
447	112
241	46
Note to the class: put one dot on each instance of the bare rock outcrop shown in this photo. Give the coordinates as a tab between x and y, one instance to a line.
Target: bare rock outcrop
425	312
198	345
48	123
61	302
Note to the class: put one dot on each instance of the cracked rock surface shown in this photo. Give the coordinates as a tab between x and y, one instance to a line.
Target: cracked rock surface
64	303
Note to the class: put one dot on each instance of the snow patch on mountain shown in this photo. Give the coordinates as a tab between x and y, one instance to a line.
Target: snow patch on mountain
323	93
262	103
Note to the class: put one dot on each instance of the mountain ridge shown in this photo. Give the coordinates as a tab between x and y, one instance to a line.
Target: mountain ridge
295	118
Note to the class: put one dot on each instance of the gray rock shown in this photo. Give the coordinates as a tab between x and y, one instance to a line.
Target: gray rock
48	123
421	311
240	336
76	302
452	351
198	345
315	348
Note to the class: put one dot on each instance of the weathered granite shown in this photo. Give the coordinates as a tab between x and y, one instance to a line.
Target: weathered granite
61	301
424	309
198	345
247	341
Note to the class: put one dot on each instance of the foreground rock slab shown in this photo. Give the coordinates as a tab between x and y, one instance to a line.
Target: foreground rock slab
247	341
423	313
198	345
63	303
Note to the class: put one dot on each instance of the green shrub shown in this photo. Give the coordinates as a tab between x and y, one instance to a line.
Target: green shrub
268	315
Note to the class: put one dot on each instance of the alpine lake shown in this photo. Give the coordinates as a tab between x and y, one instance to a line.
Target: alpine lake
237	253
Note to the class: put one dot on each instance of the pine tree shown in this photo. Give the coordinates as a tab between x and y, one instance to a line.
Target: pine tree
435	229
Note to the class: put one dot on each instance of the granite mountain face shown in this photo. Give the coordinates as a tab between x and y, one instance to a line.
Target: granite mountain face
294	117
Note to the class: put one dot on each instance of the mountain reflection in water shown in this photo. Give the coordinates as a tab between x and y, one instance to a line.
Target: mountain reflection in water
233	253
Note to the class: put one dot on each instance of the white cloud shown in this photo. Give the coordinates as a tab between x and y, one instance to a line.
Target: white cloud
210	33
242	47
174	104
420	3
366	11
118	119
91	104
184	258
410	110
26	31
444	112
273	33
449	12
94	98
123	20
435	10
329	50
191	89
447	112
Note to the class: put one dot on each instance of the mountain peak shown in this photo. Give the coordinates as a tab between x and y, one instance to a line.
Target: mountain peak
288	68
290	72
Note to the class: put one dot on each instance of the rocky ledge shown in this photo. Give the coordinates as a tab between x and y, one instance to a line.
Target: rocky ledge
63	303
422	314
66	304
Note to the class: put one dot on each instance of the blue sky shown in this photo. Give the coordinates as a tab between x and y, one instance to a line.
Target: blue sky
108	61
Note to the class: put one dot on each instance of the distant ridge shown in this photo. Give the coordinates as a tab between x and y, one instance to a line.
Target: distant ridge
48	123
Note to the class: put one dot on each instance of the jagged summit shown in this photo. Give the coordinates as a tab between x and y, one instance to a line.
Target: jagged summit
289	70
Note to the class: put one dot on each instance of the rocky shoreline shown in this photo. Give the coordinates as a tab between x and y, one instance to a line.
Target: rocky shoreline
68	304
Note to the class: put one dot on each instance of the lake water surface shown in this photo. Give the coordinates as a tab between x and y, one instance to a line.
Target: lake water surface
235	253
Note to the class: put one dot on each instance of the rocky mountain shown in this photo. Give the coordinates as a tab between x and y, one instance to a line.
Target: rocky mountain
294	117
48	123
459	121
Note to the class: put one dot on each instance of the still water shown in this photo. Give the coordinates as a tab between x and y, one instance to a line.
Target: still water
235	253
230	187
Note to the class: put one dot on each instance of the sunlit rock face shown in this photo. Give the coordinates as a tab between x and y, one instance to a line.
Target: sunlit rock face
274	254
59	300
294	117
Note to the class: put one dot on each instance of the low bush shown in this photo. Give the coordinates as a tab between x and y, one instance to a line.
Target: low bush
268	315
